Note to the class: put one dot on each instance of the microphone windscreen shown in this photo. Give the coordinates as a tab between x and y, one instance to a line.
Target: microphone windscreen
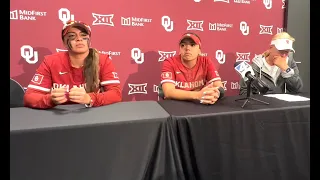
237	63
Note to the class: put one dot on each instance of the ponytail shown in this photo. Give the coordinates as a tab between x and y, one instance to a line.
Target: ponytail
91	71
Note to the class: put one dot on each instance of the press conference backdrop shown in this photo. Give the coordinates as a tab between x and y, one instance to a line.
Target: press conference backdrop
298	25
140	34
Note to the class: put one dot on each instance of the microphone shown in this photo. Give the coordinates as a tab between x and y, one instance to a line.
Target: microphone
247	73
245	70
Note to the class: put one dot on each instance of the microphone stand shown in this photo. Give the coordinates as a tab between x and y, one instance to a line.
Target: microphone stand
248	98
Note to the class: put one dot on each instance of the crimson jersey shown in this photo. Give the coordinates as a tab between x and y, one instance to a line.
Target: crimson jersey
56	71
190	79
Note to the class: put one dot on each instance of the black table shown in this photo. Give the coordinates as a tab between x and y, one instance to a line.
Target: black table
226	142
122	141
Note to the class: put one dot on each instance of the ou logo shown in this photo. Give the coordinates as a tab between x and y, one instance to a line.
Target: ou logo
220	56
137	55
167	23
27	53
65	15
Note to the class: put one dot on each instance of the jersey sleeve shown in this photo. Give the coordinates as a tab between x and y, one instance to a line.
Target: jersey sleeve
110	82
39	88
212	73
167	73
109	76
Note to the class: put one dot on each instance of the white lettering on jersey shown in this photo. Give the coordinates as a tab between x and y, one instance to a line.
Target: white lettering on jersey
191	85
66	86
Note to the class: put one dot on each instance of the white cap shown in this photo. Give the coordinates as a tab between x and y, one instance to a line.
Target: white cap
283	44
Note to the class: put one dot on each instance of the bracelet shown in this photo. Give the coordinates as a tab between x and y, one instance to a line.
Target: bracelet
90	104
222	91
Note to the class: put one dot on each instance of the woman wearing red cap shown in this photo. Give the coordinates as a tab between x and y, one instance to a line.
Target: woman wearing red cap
81	75
190	76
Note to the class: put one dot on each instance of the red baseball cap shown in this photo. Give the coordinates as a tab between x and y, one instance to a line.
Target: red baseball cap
75	24
192	37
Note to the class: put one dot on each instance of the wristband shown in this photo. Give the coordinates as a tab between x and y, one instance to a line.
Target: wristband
90	104
221	90
288	70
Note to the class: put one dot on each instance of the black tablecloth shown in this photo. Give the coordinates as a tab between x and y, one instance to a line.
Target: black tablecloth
226	142
122	141
175	141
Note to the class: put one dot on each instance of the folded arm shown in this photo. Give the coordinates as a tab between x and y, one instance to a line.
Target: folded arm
292	79
110	83
111	94
39	88
170	92
38	99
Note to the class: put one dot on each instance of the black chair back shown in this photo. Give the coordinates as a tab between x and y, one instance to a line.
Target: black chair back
16	94
160	92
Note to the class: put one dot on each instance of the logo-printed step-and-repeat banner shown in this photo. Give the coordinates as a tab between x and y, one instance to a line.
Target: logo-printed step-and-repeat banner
140	34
